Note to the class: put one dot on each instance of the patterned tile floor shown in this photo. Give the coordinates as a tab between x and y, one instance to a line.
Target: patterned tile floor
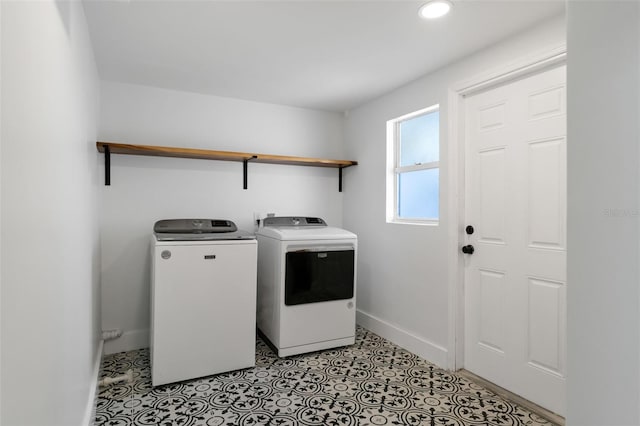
373	382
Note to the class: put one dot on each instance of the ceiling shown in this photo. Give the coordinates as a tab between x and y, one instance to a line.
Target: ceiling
328	55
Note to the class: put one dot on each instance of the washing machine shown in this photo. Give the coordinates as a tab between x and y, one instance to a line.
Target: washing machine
306	284
203	299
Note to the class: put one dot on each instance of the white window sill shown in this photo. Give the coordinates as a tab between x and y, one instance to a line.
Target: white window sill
425	222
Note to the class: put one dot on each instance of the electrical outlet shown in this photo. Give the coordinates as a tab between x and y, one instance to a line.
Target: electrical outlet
257	220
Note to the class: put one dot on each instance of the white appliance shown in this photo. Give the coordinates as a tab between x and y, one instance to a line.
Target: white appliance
203	299
306	284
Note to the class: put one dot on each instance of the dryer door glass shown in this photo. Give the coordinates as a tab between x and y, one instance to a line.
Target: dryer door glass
318	276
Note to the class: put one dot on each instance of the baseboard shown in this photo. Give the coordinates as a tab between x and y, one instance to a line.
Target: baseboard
430	351
129	341
90	411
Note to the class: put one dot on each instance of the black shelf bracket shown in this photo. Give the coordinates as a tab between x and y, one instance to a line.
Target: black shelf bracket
107	166
340	179
244	170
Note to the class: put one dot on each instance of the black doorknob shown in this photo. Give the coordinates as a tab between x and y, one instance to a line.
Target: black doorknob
468	249
469	229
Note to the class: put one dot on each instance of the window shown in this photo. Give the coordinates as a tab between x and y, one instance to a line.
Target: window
413	160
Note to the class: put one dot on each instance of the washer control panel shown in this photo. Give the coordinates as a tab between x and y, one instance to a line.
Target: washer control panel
194	226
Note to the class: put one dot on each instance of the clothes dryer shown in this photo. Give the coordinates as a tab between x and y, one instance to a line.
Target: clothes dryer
306	284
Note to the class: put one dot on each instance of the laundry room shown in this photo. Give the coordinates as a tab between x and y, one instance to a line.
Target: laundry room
302	84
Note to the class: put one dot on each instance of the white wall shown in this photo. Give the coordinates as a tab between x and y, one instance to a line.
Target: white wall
0	216
49	229
603	234
403	277
146	189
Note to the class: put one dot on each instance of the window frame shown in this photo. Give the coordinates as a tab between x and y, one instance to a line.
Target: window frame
395	170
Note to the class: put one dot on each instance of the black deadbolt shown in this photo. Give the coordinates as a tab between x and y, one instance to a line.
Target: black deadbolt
469	229
468	249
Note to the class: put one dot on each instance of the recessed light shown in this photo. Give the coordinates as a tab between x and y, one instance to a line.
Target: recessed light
435	9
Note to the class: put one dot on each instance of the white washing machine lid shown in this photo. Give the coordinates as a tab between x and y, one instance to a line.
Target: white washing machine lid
198	230
291	233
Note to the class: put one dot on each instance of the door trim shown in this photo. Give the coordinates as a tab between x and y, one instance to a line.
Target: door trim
546	59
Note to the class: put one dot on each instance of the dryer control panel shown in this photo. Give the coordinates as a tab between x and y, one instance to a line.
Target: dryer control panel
293	221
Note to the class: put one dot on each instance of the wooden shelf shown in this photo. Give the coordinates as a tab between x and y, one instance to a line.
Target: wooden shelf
109	148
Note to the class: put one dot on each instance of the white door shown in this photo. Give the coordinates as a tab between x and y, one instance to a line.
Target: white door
515	280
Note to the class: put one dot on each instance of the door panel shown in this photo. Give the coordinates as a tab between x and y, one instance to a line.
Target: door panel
547	204
492	195
515	282
491	117
492	310
546	299
546	103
